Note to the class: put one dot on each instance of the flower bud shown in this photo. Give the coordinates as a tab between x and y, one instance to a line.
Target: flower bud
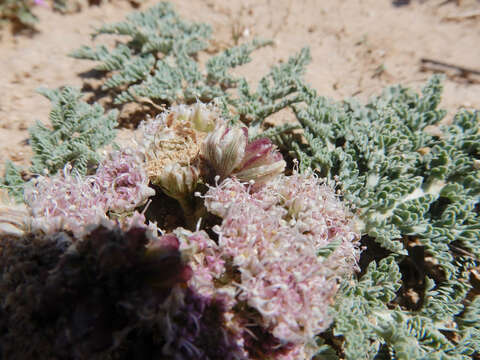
224	149
260	163
203	118
178	181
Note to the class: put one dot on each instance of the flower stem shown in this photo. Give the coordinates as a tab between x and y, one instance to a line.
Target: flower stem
187	204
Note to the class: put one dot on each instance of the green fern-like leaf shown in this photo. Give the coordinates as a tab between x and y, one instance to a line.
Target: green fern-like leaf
361	303
13	181
77	131
158	62
18	12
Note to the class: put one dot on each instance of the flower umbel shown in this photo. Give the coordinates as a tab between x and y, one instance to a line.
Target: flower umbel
70	201
66	200
124	181
271	238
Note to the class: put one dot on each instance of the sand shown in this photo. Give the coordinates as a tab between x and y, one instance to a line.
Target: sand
358	48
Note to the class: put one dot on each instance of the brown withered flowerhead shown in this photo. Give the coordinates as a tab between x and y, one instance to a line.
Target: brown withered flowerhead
171	144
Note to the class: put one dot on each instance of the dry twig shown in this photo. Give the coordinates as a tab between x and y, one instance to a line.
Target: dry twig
440	66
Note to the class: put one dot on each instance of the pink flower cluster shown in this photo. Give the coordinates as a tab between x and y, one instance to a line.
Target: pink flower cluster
123	181
266	257
65	200
70	201
203	255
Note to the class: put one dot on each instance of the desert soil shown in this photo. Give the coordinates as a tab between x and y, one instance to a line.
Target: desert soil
358	48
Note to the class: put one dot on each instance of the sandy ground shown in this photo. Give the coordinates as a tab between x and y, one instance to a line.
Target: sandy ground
358	48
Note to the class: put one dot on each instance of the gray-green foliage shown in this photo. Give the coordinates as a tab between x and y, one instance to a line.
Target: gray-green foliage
275	91
13	181
373	326
158	62
75	133
410	179
405	181
18	12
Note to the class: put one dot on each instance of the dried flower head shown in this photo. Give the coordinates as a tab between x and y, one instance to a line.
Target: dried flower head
176	137
177	145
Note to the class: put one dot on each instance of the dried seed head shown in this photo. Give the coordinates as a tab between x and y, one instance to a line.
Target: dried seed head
178	145
176	137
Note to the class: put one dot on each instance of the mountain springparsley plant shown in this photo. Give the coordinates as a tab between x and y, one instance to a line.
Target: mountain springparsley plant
416	192
284	242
